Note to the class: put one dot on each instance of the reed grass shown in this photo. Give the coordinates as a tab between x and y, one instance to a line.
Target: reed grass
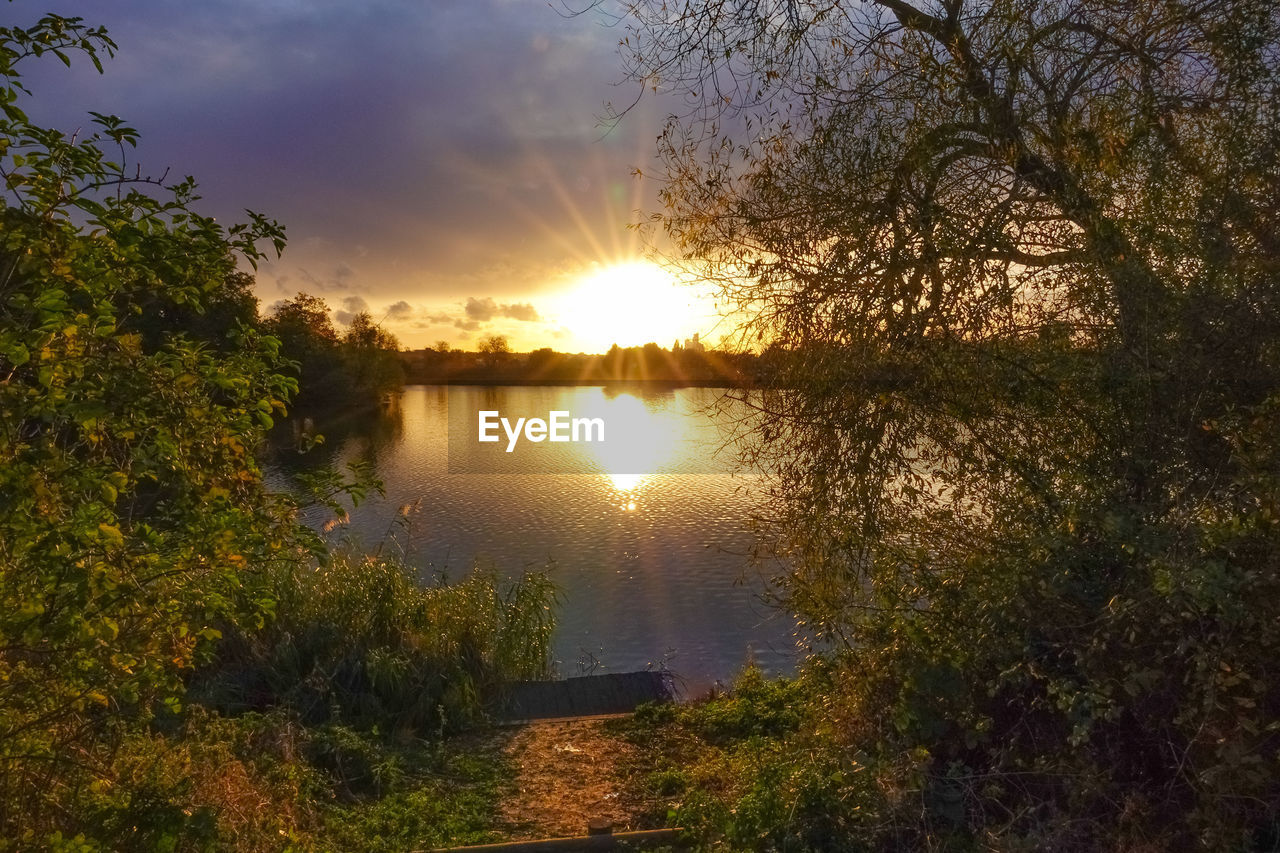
366	641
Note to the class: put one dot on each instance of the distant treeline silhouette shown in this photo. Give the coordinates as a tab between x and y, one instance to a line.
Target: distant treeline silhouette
494	363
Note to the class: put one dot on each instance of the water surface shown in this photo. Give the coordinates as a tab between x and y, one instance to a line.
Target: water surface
648	540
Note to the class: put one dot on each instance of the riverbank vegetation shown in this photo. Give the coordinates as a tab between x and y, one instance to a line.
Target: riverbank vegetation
183	664
1041	566
1045	565
336	371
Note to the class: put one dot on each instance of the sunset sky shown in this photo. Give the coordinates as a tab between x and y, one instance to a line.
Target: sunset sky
441	163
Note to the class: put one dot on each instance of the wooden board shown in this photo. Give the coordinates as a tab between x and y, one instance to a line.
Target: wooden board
585	696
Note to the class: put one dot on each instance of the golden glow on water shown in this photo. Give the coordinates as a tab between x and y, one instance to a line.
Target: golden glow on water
643	439
627	483
647	552
627	489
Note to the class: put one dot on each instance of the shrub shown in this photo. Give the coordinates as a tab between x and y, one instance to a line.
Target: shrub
132	510
363	640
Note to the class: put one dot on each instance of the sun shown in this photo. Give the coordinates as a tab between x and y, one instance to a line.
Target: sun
631	304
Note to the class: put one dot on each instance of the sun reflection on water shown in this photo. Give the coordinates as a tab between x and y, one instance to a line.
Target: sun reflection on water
626	482
626	488
635	582
644	437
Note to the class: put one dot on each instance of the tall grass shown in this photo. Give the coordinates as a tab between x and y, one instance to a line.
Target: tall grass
322	728
362	640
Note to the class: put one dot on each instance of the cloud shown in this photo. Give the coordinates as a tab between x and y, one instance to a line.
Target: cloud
473	315
522	311
486	309
399	311
338	278
424	319
265	102
351	306
481	309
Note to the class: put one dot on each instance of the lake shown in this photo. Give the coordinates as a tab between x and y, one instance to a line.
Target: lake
646	534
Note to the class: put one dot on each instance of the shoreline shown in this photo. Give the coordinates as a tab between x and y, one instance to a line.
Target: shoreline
580	383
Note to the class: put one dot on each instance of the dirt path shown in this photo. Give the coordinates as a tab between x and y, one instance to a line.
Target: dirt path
568	772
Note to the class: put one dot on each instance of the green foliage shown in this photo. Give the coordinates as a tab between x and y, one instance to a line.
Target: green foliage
335	371
263	782
141	554
1019	263
758	769
217	785
757	707
131	505
372	359
135	529
364	641
452	800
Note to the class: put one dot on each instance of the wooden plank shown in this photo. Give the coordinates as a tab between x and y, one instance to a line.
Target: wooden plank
638	840
585	696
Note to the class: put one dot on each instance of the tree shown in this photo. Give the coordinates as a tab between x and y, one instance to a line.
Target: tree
372	359
309	339
352	369
131	503
305	321
214	320
1018	253
541	360
495	348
